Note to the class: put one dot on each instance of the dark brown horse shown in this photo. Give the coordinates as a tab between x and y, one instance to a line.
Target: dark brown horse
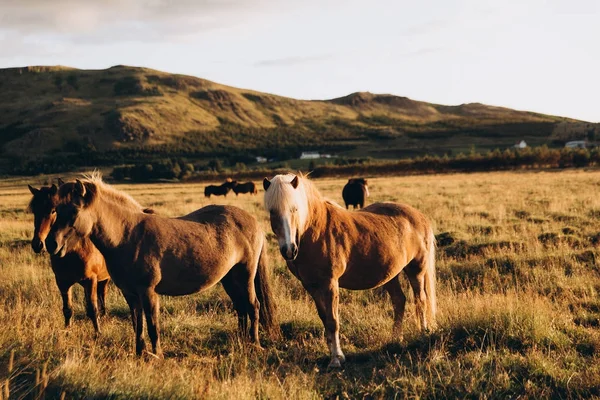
355	192
220	190
327	247
82	264
148	255
248	187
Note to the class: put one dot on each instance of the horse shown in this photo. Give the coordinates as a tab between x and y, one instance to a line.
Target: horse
248	187
327	247
148	255
220	190
355	192
82	264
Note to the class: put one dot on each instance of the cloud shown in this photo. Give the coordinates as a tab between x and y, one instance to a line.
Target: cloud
426	27
117	20
291	61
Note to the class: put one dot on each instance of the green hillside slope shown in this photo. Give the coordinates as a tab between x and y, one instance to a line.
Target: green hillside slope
61	111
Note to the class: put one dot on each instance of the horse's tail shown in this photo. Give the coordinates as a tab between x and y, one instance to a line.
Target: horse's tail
262	285
430	279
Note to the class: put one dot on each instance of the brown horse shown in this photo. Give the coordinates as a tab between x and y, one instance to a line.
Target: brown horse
221	190
327	247
82	264
355	192
148	255
247	187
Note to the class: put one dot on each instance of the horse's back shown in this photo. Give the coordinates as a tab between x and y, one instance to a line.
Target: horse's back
399	211
221	215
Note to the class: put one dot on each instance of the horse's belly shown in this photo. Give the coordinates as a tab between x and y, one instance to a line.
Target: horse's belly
182	281
182	288
371	272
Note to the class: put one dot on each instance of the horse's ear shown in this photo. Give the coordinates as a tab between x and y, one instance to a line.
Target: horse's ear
295	182
266	184
34	191
60	182
53	189
79	188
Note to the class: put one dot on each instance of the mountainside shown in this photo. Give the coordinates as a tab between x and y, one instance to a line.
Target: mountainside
52	111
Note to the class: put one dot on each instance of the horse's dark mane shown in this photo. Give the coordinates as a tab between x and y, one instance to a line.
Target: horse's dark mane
35	199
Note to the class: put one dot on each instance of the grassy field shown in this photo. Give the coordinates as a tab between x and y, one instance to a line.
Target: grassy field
519	301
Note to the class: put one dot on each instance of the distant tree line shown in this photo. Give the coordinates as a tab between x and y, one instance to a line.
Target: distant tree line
143	165
530	157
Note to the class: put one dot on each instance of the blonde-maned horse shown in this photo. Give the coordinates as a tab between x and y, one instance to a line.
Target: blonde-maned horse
148	255
327	247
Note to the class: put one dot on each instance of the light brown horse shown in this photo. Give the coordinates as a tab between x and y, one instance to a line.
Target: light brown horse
82	264
327	247
148	255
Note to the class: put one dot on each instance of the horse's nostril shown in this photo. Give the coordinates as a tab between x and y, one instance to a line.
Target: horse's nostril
51	245
37	245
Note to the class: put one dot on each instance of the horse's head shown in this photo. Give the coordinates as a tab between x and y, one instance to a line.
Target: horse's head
73	218
287	203
43	206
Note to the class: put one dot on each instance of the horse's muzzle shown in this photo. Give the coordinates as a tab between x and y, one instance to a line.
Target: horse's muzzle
289	252
51	245
37	245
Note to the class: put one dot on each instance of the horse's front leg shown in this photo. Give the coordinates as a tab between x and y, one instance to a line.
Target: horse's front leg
102	291
137	320
326	298
151	305
65	293
90	287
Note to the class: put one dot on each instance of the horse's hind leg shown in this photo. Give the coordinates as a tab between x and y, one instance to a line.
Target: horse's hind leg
65	293
102	291
137	320
415	271
239	285
326	298
90	287
394	288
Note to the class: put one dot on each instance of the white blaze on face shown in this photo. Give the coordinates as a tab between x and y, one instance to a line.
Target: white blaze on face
286	201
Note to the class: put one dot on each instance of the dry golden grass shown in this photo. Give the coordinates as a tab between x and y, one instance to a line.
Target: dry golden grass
518	278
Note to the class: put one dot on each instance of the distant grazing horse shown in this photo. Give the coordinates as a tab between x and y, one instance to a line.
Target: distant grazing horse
220	190
248	187
327	247
82	263
355	192
148	255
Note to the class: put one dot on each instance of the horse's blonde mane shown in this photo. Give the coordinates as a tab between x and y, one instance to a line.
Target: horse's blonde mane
281	196
110	192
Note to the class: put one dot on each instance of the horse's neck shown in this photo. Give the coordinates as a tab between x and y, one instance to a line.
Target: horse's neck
316	223
113	224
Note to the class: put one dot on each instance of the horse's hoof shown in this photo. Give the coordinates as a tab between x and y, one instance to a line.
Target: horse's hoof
335	363
257	346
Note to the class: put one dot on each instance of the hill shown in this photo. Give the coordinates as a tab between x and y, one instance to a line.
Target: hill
128	111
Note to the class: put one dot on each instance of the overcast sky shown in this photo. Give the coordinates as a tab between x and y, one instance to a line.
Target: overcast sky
537	55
